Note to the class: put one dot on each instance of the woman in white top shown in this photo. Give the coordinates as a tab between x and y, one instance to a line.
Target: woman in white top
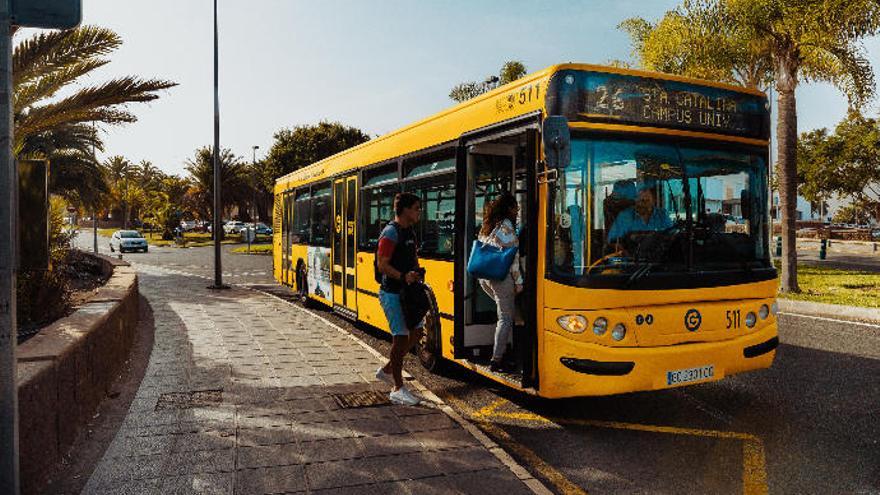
498	230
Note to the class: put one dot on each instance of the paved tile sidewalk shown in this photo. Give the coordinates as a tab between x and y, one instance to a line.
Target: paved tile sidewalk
238	398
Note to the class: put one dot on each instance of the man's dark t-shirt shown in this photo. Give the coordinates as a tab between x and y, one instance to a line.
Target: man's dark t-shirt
401	246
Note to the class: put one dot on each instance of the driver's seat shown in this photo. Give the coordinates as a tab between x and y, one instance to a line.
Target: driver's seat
623	195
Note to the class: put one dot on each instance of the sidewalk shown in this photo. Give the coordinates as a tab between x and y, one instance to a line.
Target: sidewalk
244	393
833	311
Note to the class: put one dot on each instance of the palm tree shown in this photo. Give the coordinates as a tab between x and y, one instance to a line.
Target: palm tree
79	179
149	175
118	172
175	187
234	183
131	196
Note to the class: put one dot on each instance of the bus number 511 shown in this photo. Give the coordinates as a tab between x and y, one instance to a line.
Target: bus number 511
733	319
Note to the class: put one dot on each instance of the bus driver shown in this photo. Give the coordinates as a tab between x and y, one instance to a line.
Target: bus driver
643	216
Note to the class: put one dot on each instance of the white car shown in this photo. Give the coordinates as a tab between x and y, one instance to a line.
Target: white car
233	227
128	240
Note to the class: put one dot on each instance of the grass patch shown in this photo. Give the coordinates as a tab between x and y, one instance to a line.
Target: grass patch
264	249
828	285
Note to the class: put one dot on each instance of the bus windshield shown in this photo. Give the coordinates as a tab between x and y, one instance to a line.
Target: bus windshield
626	211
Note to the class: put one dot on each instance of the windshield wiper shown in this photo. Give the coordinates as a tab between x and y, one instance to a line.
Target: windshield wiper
644	267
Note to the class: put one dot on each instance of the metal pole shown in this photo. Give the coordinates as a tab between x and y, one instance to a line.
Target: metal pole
254	187
9	480
218	269
94	208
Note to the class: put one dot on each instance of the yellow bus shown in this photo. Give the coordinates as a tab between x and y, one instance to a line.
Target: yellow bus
643	229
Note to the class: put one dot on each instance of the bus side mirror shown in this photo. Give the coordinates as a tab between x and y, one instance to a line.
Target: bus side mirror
557	141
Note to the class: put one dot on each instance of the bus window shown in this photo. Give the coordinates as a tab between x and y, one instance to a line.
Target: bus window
437	228
321	216
378	208
301	217
429	166
380	175
623	205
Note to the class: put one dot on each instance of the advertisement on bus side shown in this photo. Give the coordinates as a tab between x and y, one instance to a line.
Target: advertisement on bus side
319	272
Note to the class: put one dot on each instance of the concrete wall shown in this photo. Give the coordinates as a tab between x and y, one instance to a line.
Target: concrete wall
67	369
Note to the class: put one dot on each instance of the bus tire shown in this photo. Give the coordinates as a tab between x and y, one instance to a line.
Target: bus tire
428	347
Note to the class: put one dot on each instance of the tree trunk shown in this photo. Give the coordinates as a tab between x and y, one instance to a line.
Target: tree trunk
786	136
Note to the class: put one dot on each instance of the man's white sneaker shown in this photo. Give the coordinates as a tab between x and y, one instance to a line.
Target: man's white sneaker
385	377
404	397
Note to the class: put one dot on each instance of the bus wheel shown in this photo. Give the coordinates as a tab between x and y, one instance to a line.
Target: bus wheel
428	348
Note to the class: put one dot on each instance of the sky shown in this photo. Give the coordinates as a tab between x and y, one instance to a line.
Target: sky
376	65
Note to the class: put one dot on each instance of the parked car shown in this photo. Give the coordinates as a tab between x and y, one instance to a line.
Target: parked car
233	227
263	229
128	240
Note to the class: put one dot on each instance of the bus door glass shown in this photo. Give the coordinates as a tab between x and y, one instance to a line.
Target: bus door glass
287	202
344	243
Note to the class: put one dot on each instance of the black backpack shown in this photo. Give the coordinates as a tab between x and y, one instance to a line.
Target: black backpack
376	273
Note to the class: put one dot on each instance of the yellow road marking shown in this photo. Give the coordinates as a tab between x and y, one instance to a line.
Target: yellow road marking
754	476
754	468
490	409
554	476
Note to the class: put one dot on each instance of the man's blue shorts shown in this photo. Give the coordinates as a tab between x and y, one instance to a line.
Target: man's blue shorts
394	313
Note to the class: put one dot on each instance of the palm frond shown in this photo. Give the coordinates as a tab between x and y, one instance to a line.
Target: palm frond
81	138
103	103
845	65
53	50
46	86
77	177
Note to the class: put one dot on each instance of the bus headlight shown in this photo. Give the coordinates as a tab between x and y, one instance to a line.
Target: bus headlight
751	319
764	311
599	326
572	323
619	332
774	308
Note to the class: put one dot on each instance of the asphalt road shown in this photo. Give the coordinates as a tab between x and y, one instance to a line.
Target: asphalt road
810	424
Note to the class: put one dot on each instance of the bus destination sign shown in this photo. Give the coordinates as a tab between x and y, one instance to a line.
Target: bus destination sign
660	103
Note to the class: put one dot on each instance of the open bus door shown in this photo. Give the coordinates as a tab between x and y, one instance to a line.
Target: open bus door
489	163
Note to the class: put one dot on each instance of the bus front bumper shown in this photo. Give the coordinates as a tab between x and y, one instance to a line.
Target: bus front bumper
575	369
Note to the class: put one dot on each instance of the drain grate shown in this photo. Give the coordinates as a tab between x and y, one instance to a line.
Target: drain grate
189	400
368	398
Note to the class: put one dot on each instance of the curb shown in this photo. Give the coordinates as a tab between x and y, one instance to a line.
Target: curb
838	312
521	473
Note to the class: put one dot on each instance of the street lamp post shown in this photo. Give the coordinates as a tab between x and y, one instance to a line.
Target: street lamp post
218	269
254	204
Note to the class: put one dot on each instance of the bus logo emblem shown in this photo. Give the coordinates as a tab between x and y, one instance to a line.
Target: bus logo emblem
692	320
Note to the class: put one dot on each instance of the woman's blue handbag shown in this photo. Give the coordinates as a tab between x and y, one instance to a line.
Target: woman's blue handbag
490	262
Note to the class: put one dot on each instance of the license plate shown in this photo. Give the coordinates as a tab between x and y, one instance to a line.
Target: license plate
690	375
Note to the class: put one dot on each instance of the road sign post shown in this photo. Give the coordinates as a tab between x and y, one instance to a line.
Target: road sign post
9	481
60	14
